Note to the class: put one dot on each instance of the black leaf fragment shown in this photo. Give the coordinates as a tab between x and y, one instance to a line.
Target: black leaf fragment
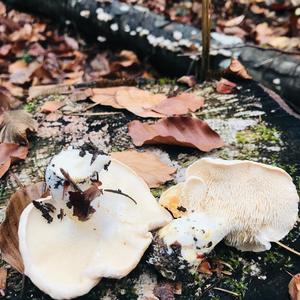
45	209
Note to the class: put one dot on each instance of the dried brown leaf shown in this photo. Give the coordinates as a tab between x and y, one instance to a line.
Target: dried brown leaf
294	287
127	58
21	72
9	153
15	126
190	80
106	96
147	165
237	69
3	278
139	102
7	100
225	86
9	242
235	21
180	104
51	106
181	131
164	291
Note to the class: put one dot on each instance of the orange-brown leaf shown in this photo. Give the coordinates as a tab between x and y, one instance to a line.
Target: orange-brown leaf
147	165
51	106
294	287
3	277
9	242
225	86
237	69
180	104
181	131
9	153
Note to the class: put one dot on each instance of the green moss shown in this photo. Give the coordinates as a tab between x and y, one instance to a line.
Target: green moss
257	133
31	107
273	257
238	286
27	58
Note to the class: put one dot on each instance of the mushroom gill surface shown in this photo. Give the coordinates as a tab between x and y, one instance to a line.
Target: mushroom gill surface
248	204
66	256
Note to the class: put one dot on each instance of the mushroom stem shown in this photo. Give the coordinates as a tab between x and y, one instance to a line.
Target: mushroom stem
70	180
288	248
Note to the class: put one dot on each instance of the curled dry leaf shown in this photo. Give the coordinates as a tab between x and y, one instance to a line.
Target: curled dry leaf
180	104
21	72
147	165
7	100
294	287
190	80
225	86
3	277
165	291
146	104
51	106
127	58
181	131
235	21
237	69
9	242
10	153
15	126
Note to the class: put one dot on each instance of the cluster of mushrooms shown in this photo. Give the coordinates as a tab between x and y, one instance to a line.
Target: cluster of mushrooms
99	218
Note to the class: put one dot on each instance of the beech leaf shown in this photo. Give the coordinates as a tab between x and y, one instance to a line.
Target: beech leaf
237	69
294	287
146	104
15	125
225	86
9	242
10	153
181	131
51	106
147	165
180	104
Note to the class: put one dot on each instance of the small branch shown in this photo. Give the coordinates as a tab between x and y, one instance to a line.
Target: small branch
120	193
288	248
205	39
227	291
70	180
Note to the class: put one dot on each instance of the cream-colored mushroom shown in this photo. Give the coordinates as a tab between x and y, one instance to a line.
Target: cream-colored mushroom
249	204
66	253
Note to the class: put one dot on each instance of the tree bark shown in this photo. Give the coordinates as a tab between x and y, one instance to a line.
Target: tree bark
172	47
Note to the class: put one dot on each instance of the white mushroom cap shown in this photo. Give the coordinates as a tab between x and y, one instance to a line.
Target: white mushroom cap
260	202
67	257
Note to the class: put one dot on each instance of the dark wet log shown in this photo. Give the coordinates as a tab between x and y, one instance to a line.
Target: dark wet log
165	43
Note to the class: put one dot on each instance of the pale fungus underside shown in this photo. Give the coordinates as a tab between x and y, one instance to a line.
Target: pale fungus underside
254	128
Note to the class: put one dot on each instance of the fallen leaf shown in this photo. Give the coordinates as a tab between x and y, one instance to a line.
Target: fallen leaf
190	81
205	268
7	100
10	153
225	86
15	125
127	58
294	287
106	96
21	72
164	291
3	278
181	131
180	105
235	21
147	165
9	242
101	64
139	102
51	106
237	69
